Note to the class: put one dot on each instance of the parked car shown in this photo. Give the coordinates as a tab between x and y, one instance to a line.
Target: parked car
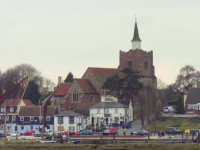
86	132
126	125
37	134
172	130
106	132
77	132
68	132
9	133
167	109
48	132
30	132
14	134
140	132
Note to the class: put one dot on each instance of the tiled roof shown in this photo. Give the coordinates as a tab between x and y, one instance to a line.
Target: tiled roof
36	111
83	111
193	96
61	89
86	85
9	102
102	74
68	113
109	105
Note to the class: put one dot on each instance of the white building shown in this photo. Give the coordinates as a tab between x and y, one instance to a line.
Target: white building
111	112
68	120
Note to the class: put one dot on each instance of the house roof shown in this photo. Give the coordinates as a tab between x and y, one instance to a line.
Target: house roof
61	89
193	96
125	102
83	111
102	74
36	111
86	85
67	113
109	105
27	102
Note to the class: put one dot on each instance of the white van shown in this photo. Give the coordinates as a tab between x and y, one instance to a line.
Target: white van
167	109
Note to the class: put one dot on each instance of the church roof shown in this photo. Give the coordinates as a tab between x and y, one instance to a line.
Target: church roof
136	34
86	85
62	88
102	74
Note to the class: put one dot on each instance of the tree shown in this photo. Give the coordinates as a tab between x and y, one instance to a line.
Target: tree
186	78
49	84
32	93
69	78
161	84
180	106
126	86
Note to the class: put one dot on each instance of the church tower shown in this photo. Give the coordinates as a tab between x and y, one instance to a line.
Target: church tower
136	41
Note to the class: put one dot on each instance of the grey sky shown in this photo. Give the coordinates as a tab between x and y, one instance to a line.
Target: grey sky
58	36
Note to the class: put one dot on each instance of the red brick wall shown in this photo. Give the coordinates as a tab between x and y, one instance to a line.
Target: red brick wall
138	59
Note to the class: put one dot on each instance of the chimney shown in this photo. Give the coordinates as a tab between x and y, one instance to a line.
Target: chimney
59	80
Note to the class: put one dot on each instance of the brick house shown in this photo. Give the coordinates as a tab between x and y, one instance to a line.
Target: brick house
81	94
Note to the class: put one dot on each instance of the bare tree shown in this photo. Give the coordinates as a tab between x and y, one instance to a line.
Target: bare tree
186	78
161	84
49	84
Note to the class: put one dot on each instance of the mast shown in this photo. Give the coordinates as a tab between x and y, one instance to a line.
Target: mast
4	113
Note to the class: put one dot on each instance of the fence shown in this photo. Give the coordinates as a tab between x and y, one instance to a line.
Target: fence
179	115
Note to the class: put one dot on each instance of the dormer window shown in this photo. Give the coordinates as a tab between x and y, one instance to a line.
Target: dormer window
146	65
130	64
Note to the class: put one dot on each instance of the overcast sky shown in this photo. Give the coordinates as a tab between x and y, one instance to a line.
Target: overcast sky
59	36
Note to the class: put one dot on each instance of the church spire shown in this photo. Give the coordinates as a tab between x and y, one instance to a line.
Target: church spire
136	41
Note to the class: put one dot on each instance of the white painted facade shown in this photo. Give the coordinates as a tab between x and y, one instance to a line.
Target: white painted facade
136	45
108	98
78	124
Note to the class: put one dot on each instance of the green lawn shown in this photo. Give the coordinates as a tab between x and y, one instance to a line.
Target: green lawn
185	123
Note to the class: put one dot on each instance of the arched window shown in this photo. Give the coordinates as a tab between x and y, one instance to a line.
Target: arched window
129	64
146	65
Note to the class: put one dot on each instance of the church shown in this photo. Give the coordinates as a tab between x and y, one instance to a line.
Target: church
87	91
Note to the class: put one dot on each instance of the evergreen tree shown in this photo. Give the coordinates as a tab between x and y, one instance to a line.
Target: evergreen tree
69	78
126	86
32	93
180	106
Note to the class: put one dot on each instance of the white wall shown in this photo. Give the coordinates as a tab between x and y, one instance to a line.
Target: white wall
136	45
103	99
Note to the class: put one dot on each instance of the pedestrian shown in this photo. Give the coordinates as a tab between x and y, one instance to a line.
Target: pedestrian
172	137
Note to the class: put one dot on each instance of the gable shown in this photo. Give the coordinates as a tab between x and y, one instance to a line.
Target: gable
75	87
193	96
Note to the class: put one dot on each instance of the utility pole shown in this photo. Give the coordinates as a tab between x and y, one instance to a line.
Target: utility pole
4	110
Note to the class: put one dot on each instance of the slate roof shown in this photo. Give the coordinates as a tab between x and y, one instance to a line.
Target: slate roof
83	111
27	102
109	105
35	111
102	74
61	89
86	85
136	34
67	113
193	96
125	102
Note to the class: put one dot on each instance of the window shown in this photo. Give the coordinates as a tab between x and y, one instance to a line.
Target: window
40	119
98	110
72	128
125	111
1	109
21	118
14	118
47	118
48	127
1	127
75	96
91	99
22	127
12	109
7	118
116	110
146	65
1	117
107	110
60	119
129	64
62	128
109	99
71	119
31	118
31	127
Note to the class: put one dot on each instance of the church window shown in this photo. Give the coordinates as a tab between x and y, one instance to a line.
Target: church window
75	97
129	64
146	65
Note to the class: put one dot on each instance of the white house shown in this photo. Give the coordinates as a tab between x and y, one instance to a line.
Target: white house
110	112
68	120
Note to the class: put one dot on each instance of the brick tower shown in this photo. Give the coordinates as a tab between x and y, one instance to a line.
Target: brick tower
138	59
